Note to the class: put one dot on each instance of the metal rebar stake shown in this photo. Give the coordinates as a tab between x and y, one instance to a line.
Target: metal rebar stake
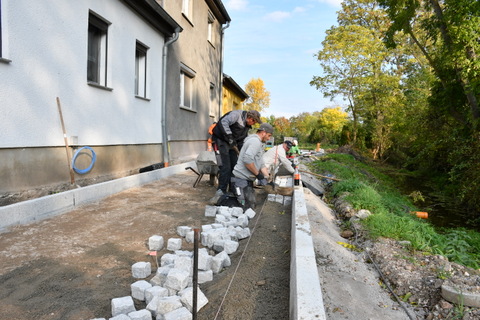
195	272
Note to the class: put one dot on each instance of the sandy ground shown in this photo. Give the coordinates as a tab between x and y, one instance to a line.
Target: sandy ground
70	267
351	288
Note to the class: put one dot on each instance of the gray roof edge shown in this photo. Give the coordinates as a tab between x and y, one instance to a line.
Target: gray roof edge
219	8
231	84
151	11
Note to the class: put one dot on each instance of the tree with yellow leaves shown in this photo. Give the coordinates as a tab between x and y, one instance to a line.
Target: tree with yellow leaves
259	97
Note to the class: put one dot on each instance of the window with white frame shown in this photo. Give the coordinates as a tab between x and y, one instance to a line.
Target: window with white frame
187	86
97	50
210	33
187	8
141	70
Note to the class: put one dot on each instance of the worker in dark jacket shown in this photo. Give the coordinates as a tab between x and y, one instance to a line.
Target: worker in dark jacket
228	136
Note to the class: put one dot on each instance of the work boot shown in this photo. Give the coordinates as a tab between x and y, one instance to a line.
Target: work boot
214	200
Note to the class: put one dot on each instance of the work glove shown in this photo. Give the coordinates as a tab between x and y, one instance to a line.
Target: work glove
260	176
262	182
230	141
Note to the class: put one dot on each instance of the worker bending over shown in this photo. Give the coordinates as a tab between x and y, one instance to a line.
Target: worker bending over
250	166
276	157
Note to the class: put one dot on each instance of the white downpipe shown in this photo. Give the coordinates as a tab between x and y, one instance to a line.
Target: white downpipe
166	156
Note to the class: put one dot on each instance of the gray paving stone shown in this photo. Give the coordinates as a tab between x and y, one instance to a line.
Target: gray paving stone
205	276
174	244
120	317
236	211
210	211
230	246
155	243
155	291
178	314
138	289
186	296
190	236
204	259
161	275
184	263
251	213
168	304
140	315
177	279
122	305
182	230
207	227
168	258
242	221
141	270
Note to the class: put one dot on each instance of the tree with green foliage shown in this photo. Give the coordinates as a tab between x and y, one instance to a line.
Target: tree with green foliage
357	66
330	124
303	125
259	97
446	33
449	36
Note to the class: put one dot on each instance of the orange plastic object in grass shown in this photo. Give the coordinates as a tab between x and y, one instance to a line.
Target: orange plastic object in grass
420	214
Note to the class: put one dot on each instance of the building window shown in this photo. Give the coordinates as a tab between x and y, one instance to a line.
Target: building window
210	33
187	97
141	70
187	8
97	50
212	99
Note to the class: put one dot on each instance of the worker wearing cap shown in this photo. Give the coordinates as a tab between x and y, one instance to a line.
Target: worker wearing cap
250	166
228	136
276	157
294	149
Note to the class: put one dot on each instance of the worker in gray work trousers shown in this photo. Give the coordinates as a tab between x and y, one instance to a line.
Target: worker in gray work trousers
250	166
228	136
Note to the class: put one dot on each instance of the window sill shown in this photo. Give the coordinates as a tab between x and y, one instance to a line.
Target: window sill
96	85
3	60
188	19
211	44
187	109
142	98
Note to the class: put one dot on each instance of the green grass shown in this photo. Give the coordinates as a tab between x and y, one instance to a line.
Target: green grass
365	187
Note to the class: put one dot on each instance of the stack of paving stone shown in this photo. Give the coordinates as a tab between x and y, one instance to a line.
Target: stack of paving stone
169	293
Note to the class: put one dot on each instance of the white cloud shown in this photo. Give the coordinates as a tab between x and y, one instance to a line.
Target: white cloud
277	16
299	9
236	5
335	3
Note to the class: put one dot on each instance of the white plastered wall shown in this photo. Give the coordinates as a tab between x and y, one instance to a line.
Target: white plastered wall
46	42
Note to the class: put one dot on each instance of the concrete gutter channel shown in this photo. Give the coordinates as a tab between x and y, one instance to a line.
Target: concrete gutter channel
306	300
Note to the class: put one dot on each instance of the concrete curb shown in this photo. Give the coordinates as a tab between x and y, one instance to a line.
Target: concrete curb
48	206
306	300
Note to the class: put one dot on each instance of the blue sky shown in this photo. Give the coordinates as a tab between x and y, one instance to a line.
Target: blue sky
275	40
